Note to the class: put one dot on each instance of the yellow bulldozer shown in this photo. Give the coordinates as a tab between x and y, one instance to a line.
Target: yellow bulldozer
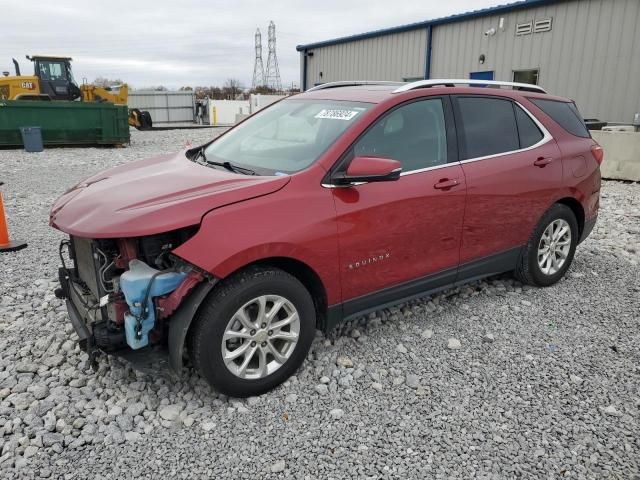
52	79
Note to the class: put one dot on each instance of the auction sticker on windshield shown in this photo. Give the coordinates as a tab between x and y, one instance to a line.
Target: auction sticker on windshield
337	114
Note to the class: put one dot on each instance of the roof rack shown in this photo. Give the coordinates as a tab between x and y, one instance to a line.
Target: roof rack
352	83
452	82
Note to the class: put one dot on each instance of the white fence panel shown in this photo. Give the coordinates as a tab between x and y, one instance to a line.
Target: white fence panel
223	112
165	107
260	101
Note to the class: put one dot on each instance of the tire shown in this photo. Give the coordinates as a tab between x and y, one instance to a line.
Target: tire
146	121
219	316
529	269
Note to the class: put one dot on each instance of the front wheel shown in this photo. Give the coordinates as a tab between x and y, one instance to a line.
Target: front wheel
550	249
253	331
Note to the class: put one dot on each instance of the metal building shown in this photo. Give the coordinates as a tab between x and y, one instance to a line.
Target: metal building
587	50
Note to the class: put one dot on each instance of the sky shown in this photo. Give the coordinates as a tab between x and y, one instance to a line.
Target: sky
194	42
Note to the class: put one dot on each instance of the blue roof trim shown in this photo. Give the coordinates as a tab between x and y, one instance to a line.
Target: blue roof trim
437	21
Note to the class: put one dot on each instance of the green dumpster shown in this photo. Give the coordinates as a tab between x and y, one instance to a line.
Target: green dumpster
64	123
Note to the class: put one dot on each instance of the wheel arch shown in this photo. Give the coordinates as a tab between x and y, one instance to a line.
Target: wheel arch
182	321
306	275
577	209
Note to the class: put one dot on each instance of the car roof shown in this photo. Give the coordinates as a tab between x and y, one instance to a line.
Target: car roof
372	93
354	93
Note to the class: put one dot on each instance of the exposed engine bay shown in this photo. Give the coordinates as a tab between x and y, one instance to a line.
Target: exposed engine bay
125	290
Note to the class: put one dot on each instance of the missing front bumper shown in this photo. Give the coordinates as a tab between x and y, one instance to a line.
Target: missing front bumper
154	360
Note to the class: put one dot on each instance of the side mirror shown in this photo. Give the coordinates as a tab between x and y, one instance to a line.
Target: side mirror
369	169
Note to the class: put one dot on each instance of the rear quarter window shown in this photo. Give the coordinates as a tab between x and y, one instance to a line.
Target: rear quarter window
564	114
528	131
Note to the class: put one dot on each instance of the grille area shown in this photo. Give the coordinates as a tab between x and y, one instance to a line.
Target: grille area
86	264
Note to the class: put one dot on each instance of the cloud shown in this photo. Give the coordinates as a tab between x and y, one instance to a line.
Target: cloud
193	42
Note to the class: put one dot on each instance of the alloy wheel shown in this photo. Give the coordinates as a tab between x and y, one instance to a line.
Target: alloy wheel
260	337
554	246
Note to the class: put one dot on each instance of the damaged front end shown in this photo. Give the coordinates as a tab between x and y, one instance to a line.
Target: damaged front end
132	297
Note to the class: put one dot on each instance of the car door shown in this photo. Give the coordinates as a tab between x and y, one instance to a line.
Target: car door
397	238
513	169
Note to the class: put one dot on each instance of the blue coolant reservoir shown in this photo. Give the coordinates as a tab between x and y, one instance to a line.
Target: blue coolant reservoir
134	284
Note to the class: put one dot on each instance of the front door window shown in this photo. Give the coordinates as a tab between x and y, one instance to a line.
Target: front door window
413	134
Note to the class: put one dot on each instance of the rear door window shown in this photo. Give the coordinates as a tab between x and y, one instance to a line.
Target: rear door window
565	114
528	131
488	126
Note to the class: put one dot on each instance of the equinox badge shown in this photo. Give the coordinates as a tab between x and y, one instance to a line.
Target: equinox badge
369	261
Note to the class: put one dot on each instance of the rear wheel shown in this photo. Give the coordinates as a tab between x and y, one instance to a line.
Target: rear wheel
253	331
550	249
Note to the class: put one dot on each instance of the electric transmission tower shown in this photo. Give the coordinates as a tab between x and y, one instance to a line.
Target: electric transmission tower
272	79
258	69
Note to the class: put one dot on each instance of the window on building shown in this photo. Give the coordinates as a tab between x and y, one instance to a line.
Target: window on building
488	126
565	114
414	134
528	131
526	76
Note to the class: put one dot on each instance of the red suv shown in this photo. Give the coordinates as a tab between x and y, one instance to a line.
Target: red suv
327	205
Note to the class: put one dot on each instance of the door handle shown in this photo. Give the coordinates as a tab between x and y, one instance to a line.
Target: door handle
446	183
543	161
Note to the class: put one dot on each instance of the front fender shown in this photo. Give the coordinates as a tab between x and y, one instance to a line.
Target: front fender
181	321
300	226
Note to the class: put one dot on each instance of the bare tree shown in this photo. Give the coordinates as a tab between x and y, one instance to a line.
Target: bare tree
107	82
214	93
264	90
232	88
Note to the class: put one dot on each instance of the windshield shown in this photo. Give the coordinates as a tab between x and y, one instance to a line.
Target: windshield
286	137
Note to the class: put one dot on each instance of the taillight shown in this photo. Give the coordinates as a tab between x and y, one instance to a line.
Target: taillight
598	153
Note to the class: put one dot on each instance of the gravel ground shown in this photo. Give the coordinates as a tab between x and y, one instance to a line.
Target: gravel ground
493	380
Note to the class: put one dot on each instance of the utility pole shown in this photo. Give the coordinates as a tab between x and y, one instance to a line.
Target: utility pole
258	69
273	72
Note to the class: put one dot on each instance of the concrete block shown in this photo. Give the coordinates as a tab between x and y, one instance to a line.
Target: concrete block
621	154
619	128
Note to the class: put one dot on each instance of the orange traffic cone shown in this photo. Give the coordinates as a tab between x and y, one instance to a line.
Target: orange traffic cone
7	245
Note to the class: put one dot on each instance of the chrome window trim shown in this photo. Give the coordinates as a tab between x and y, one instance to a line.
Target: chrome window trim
546	137
426	169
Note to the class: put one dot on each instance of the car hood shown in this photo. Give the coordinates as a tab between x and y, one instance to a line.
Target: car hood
152	196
